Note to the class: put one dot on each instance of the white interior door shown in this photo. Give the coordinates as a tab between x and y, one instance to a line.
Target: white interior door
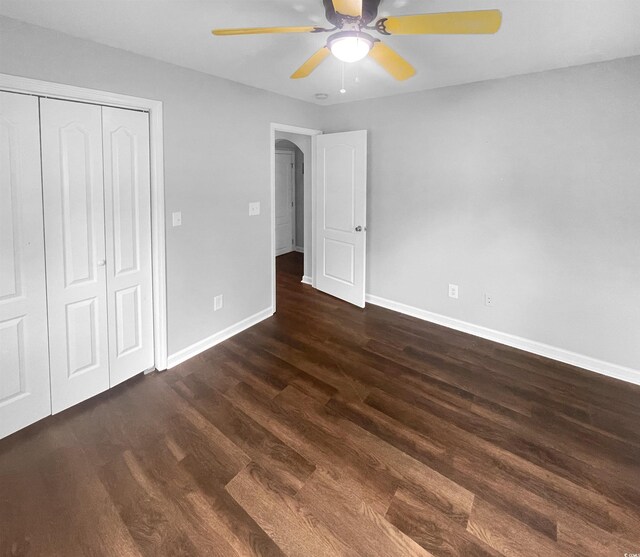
128	231
24	366
284	201
75	250
340	215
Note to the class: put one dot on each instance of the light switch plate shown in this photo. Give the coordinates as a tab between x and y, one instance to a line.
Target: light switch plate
254	208
176	218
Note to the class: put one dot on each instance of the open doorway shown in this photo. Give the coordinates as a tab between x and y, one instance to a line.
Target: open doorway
291	196
334	221
289	211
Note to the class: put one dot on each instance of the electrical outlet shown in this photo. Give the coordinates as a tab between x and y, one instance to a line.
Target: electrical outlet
488	300
453	291
217	302
176	218
254	208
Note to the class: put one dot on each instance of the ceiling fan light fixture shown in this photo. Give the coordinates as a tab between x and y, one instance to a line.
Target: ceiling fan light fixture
350	46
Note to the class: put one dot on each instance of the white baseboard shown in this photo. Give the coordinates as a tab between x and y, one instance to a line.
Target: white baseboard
307	280
299	249
206	343
579	360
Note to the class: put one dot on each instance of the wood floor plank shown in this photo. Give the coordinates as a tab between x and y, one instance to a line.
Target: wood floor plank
456	472
292	526
294	376
507	535
353	520
323	446
62	483
450	497
513	471
259	443
153	519
433	530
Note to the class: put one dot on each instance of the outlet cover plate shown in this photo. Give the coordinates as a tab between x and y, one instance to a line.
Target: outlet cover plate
254	208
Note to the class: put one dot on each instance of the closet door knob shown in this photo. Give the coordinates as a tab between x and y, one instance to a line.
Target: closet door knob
101	262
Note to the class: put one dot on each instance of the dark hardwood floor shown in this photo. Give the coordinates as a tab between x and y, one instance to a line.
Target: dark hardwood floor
331	430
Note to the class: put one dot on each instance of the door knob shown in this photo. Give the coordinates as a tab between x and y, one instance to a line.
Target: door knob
101	262
358	228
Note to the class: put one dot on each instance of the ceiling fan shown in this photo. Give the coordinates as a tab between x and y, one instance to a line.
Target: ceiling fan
350	43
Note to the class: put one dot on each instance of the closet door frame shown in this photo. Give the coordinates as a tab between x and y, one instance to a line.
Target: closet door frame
60	91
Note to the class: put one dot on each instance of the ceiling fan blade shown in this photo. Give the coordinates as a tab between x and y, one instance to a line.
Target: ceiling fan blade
348	7
391	61
260	30
311	64
448	23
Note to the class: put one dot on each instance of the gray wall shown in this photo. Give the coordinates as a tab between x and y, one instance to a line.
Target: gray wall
527	188
218	249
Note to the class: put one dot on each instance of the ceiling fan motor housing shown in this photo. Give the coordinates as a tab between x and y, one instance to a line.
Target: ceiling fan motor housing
369	13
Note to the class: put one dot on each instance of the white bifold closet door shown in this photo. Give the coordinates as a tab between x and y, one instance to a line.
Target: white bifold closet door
98	248
24	366
128	232
75	248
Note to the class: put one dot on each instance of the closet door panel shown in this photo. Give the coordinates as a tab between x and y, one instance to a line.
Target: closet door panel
128	232
24	366
75	250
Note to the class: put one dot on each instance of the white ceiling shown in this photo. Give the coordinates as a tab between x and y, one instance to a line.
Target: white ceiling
536	35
